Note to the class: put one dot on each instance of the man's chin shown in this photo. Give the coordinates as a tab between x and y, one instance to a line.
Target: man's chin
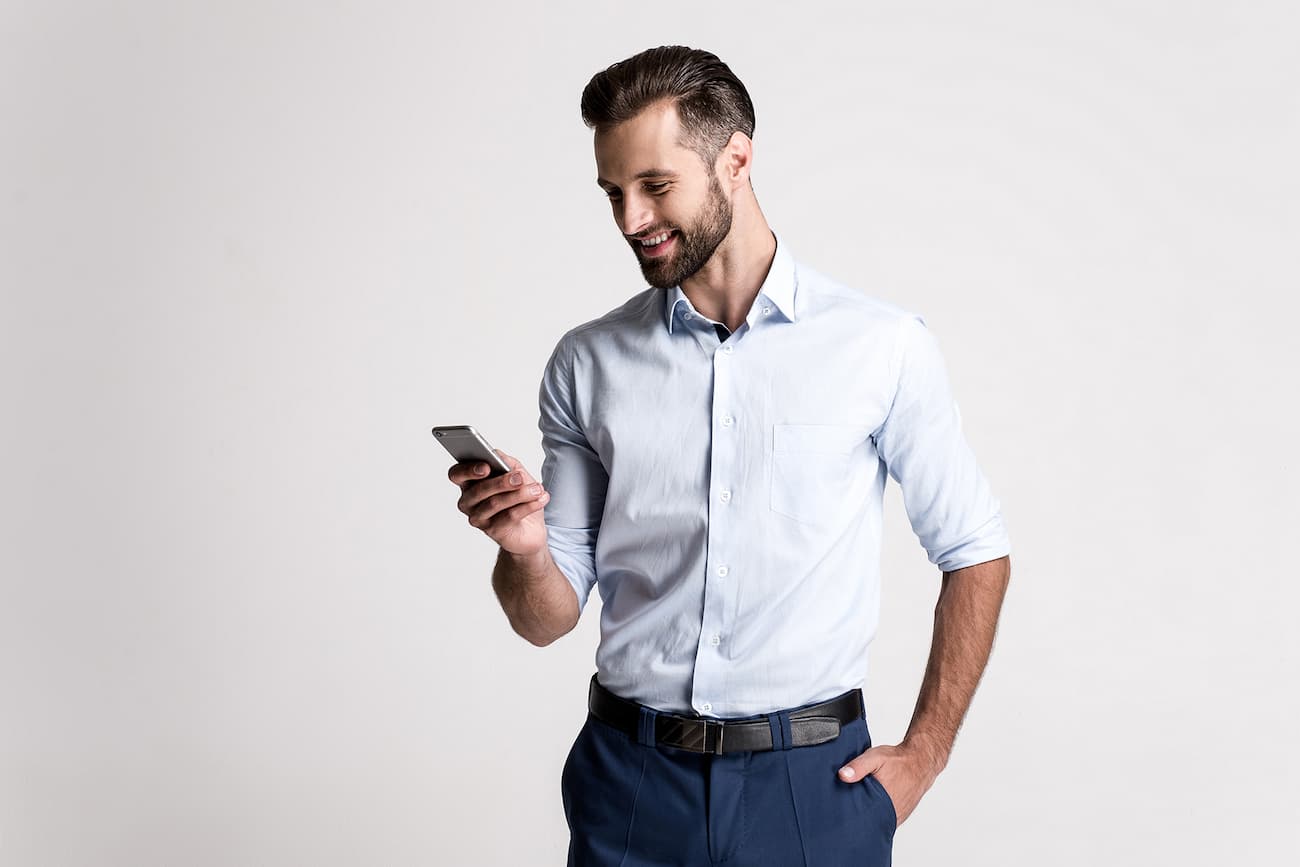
657	276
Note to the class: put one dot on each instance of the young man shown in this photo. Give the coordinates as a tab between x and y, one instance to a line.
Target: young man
715	456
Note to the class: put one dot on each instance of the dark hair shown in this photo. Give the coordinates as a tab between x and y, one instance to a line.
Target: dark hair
711	102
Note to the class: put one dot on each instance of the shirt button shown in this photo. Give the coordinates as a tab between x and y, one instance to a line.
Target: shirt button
726	421
688	317
722	571
726	496
728	348
715	639
766	310
706	707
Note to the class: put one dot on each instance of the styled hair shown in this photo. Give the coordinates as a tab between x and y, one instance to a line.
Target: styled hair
711	102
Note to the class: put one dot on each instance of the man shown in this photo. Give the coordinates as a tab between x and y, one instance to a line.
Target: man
715	456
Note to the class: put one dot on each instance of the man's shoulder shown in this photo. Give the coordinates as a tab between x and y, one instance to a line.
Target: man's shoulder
821	295
644	308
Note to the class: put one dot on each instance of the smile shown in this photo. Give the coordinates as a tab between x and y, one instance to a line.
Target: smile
657	245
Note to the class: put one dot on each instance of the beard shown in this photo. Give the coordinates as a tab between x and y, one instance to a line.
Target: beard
695	243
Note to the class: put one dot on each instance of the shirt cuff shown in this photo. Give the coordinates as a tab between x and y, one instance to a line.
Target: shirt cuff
574	551
989	542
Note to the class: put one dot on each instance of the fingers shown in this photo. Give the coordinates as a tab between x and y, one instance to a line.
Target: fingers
490	502
513	504
483	499
466	471
493	513
473	480
861	766
471	472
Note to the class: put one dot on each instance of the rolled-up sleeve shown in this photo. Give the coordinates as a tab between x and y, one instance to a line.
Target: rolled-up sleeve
573	475
949	504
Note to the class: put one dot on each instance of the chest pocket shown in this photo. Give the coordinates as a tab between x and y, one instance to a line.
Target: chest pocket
811	468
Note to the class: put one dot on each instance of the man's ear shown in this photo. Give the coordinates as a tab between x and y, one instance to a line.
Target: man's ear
735	159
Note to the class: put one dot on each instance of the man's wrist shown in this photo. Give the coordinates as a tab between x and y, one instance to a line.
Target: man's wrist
529	567
934	748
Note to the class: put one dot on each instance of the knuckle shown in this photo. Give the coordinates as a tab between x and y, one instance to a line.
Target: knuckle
479	517
485	512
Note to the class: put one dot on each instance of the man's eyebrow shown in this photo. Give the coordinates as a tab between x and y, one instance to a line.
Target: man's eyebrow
648	173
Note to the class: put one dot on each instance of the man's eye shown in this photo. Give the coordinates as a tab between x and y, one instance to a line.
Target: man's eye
612	194
656	188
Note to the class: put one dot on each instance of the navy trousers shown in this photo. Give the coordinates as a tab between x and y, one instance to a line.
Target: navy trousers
630	803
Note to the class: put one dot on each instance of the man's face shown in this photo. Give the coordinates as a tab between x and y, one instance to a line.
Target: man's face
657	187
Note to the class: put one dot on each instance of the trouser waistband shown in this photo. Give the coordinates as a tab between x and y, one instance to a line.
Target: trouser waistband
779	730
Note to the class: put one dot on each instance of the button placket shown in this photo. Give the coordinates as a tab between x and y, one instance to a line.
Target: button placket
718	589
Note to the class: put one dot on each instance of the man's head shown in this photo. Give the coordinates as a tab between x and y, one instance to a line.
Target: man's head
672	132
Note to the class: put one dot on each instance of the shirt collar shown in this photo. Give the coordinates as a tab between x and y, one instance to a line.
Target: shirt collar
778	288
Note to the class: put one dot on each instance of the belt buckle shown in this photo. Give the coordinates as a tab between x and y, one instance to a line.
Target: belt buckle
693	735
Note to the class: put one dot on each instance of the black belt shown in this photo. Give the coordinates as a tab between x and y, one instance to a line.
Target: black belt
811	725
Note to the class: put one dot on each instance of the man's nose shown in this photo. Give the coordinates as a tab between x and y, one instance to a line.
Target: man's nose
637	215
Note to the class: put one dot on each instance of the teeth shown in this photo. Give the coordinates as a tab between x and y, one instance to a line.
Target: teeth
657	239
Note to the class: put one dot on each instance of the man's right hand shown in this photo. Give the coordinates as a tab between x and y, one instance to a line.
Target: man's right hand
507	511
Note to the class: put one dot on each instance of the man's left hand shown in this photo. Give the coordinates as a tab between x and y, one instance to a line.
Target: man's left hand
906	771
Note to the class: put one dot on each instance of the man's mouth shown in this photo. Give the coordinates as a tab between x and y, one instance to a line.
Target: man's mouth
657	245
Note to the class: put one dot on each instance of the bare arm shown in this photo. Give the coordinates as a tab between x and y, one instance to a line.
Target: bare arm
538	600
965	620
536	597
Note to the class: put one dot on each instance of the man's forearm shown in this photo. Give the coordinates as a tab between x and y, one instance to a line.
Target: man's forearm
536	597
965	620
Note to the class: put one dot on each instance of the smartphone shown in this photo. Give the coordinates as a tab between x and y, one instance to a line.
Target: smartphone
466	444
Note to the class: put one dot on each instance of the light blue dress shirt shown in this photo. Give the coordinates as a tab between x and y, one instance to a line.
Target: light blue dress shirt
725	495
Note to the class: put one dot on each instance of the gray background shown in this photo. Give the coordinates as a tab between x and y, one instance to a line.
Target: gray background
251	252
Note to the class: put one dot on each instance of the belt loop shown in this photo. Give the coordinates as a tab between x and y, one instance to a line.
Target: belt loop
787	736
778	732
645	727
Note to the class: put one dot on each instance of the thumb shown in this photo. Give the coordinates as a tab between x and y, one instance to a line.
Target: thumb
867	763
517	465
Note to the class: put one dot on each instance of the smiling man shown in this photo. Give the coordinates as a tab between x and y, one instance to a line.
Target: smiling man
673	244
716	451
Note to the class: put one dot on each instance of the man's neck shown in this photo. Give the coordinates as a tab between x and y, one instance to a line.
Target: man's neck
725	288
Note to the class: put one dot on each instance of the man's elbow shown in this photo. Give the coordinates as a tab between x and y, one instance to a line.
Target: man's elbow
555	623
543	640
541	637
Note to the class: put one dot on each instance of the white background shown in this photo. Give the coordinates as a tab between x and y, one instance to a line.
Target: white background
251	252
